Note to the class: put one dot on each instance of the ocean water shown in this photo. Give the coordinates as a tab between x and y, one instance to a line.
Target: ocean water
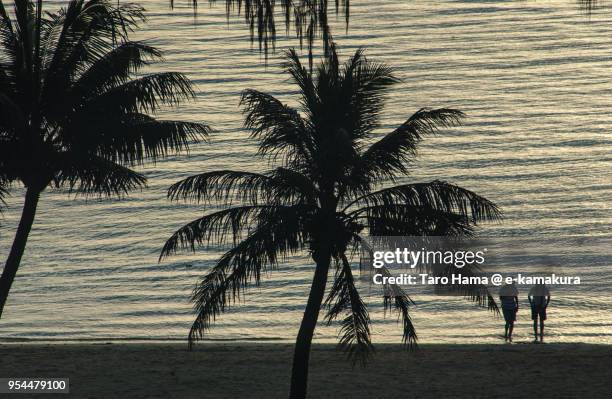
534	78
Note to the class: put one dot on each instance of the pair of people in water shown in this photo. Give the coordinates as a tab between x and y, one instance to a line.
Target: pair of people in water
539	298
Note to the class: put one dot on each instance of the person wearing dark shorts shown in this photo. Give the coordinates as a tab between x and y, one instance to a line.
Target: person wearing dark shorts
508	294
539	298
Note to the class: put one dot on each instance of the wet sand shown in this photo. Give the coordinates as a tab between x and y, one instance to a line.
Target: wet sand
262	370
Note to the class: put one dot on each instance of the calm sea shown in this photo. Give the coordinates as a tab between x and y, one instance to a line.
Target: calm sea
534	77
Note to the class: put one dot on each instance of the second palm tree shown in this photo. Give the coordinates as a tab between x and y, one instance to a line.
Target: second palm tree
321	199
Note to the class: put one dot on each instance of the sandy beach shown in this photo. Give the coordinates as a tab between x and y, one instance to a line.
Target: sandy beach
258	370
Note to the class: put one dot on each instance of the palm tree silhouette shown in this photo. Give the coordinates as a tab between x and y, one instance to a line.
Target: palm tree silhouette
321	198
70	113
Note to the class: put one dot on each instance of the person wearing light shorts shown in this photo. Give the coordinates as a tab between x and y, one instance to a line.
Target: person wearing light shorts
539	298
508	294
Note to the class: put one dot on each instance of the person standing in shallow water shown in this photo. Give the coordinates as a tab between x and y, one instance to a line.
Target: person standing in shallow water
508	294
539	298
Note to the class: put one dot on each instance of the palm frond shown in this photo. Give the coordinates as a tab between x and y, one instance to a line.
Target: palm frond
279	128
115	67
214	228
394	153
364	84
396	299
8	39
3	192
291	184
355	327
120	19
145	94
281	186
302	78
438	195
222	185
90	174
131	138
401	303
233	224
238	267
410	220
589	6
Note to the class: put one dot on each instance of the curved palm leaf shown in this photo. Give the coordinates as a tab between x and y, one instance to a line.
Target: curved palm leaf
281	186
393	154
218	227
396	300
343	297
95	175
145	94
132	138
3	193
279	128
117	66
214	228
411	220
438	195
262	249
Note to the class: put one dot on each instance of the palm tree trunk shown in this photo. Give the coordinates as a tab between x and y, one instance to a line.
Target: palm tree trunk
301	355
19	244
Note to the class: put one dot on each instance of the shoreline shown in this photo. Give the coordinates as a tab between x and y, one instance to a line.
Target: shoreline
257	341
262	370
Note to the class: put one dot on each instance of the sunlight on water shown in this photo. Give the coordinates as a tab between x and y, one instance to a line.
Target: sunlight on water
532	76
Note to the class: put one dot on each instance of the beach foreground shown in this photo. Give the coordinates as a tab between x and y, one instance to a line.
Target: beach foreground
262	370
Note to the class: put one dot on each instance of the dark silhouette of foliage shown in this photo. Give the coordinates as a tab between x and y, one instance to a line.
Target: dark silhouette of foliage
308	18
588	6
3	194
321	198
71	114
3	191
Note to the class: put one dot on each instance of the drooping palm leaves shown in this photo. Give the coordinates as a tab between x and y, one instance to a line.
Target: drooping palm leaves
3	193
589	6
73	114
307	17
321	198
344	299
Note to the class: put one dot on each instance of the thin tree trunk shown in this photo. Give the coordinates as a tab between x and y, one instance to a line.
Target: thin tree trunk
19	244
301	355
